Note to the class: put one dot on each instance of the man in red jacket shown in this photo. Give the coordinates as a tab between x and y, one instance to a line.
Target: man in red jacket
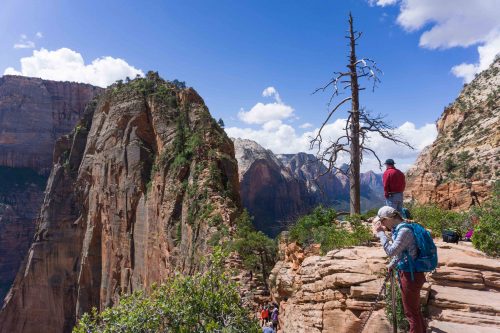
394	186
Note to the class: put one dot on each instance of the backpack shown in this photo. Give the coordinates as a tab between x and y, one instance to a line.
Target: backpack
427	259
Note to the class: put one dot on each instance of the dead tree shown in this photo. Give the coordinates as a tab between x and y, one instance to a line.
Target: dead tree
353	141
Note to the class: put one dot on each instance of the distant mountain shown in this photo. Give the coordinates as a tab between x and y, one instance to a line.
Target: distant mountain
277	189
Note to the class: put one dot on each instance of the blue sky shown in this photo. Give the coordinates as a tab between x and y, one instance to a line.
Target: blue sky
230	51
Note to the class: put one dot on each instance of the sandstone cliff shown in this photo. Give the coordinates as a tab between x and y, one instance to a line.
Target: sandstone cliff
457	171
141	186
277	189
333	293
33	114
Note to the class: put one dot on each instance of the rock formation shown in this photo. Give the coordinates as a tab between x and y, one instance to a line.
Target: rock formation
138	190
268	190
333	293
457	171
277	189
33	114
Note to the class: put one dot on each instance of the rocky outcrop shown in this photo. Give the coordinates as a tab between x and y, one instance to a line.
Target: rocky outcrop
139	190
33	114
333	293
277	189
457	171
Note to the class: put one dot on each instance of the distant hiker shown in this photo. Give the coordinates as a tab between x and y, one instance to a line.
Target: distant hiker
413	252
267	328
394	186
274	317
264	315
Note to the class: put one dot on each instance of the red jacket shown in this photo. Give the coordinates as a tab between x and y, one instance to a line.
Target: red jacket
394	181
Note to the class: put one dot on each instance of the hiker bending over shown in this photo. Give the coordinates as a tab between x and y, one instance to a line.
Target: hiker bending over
413	252
394	186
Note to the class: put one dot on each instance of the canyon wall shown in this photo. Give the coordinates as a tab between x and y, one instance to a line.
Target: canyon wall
33	114
139	190
458	170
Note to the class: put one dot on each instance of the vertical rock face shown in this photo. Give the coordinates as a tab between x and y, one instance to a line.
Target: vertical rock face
137	192
457	171
277	189
33	113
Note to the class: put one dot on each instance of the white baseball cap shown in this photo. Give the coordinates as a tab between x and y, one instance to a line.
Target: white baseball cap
385	212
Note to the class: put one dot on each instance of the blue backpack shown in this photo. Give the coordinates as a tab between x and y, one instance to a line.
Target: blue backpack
427	259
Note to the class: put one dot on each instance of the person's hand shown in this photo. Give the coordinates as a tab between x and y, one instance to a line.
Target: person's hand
376	227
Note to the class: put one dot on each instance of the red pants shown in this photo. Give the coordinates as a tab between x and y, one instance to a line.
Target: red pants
410	293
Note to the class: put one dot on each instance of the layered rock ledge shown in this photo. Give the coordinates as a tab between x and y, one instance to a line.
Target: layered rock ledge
334	292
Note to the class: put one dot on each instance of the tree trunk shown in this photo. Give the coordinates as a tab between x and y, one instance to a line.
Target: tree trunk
354	171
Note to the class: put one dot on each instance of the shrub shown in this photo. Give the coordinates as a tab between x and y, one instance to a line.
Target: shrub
437	219
486	235
258	252
320	227
207	302
400	315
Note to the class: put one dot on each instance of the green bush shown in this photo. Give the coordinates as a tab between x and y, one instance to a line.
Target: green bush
437	219
486	235
320	227
207	302
400	315
258	252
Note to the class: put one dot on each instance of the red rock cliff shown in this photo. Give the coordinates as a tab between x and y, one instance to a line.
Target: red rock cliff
136	193
457	171
33	113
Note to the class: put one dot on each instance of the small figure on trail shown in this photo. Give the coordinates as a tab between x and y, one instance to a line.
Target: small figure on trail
264	315
394	186
413	252
268	328
274	317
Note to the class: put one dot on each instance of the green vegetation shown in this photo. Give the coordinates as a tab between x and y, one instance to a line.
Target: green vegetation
257	251
403	324
321	227
207	302
437	219
487	232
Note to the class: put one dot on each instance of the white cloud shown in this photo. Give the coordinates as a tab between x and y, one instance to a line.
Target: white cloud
453	23
24	43
306	125
283	138
39	34
382	3
262	113
487	54
67	65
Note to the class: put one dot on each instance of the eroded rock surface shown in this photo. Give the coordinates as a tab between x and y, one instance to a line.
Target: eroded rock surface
138	191
333	293
458	170
33	114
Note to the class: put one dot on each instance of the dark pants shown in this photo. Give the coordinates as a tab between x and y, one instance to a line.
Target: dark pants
410	293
